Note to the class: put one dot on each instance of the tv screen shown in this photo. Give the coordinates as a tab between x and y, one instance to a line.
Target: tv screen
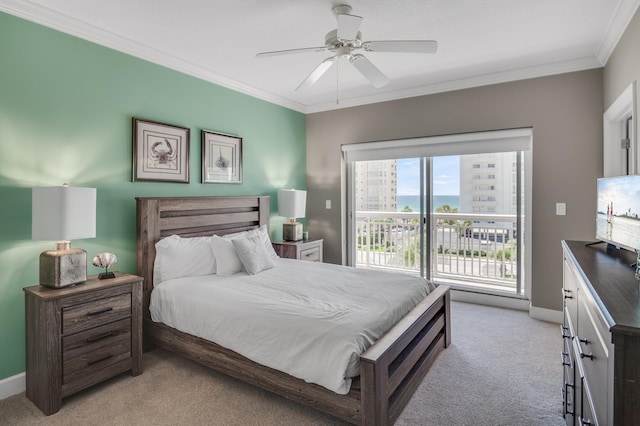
618	212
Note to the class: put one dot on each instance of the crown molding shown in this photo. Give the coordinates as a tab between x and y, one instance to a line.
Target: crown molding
621	19
466	83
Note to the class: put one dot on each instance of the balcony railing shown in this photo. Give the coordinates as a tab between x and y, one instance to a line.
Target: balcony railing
468	249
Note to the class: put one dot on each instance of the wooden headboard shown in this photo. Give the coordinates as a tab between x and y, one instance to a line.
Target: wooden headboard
159	217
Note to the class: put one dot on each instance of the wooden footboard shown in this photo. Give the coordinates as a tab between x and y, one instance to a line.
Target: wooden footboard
392	369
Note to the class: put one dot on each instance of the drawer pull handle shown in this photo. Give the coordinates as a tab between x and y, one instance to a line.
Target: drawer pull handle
582	354
565	332
99	311
584	421
564	358
99	337
567	399
104	358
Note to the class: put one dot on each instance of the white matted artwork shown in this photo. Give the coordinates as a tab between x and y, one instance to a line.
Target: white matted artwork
160	152
221	158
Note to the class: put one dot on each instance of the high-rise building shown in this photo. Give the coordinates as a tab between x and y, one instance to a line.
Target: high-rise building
488	183
376	185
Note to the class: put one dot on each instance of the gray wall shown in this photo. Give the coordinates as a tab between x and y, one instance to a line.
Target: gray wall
623	66
565	112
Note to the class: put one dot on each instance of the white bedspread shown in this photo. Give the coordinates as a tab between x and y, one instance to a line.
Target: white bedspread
309	320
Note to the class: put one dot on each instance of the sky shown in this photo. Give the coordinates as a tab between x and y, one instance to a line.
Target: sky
624	192
446	176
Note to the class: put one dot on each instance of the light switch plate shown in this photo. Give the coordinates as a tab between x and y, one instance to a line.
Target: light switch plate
561	209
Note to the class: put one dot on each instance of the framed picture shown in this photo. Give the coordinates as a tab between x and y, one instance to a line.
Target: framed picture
221	158
160	152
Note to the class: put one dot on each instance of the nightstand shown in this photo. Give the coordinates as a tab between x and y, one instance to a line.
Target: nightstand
81	335
302	250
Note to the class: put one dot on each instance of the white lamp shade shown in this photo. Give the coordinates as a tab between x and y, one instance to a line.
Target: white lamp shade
62	213
292	203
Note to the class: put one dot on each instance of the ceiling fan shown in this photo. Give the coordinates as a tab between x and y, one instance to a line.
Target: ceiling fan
347	39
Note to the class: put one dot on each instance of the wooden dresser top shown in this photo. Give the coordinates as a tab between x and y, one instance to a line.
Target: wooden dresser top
611	278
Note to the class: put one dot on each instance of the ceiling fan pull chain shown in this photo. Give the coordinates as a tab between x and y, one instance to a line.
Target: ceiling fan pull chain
337	80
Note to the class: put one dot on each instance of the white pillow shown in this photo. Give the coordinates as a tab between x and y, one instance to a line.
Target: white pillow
263	233
227	261
252	254
183	257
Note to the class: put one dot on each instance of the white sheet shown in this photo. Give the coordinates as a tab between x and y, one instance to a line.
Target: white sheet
310	320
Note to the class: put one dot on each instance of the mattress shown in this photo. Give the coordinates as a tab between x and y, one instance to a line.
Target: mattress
307	319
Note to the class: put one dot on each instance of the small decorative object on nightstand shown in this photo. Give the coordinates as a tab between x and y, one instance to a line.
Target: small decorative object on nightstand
81	335
302	250
105	260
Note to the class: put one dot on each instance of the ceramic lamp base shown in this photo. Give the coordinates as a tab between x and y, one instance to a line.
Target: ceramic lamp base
63	267
292	231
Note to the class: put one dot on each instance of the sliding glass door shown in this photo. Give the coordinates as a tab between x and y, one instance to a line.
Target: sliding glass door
457	219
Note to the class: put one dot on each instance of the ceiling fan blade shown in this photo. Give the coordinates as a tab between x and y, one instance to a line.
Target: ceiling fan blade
401	46
348	26
317	73
370	71
289	51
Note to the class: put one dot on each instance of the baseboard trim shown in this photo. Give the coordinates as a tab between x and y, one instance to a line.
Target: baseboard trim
542	314
546	314
490	300
13	385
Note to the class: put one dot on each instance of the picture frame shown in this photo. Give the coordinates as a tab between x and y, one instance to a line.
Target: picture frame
221	157
160	152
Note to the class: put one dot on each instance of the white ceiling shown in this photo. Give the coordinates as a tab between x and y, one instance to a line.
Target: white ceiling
480	41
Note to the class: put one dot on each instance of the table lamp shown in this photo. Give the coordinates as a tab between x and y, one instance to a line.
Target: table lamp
63	213
291	204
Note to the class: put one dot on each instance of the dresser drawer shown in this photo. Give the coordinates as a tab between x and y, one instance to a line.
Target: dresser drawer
94	349
570	294
593	354
97	312
311	254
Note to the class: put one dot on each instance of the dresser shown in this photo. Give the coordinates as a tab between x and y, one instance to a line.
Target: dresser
81	335
302	250
601	335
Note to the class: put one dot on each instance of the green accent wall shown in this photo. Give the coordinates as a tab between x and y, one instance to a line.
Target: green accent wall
65	116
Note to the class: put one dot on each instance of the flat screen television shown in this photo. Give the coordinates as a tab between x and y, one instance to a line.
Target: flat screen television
618	212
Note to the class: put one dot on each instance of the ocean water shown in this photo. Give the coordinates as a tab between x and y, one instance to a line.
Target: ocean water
413	201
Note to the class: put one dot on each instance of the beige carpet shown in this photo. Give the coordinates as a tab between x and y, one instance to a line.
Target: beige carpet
502	369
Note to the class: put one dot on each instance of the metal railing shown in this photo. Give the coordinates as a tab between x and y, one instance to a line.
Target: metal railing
469	249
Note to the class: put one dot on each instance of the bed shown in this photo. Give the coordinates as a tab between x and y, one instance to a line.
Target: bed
390	369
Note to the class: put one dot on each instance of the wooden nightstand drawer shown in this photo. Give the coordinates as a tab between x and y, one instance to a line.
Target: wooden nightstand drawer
88	351
310	250
94	313
311	254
